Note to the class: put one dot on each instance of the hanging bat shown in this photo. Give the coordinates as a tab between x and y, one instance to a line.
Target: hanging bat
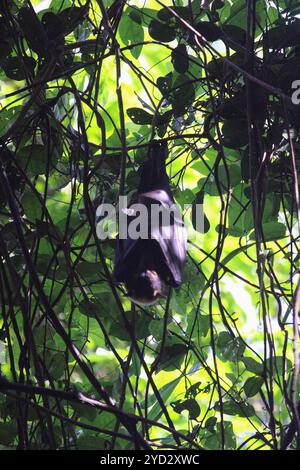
147	265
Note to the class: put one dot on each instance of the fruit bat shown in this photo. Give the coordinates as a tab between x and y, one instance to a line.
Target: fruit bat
146	265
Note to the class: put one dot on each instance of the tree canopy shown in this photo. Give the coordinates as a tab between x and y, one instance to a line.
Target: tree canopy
85	87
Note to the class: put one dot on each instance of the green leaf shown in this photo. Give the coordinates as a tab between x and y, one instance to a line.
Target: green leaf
237	14
209	30
55	364
89	308
230	437
131	32
161	32
85	411
32	206
139	116
253	385
8	117
34	159
229	347
211	436
252	365
240	214
272	231
33	30
8	433
19	68
277	364
230	176
185	196
193	390
164	119
165	15
142	15
234	108
173	354
88	441
165	84
119	330
46	267
234	408
135	15
180	59
165	393
233	36
72	17
183	95
50	231
190	404
284	35
5	40
210	423
204	325
135	366
53	27
217	4
235	133
90	272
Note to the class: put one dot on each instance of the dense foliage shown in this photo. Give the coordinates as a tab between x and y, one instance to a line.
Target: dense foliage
85	86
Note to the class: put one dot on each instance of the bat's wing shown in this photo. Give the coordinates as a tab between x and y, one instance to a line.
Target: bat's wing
169	233
173	243
128	254
165	246
133	253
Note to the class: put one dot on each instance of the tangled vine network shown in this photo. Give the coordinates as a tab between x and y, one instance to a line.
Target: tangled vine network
85	88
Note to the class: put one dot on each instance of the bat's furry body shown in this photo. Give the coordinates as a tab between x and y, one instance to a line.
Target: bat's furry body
146	266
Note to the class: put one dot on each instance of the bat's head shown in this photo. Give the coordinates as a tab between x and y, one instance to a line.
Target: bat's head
145	288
